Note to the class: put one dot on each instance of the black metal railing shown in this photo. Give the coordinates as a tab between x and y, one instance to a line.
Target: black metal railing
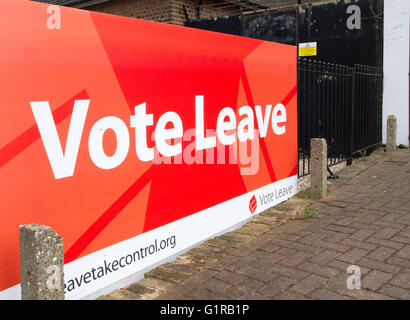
367	117
342	105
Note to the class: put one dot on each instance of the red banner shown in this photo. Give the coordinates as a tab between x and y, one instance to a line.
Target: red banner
113	129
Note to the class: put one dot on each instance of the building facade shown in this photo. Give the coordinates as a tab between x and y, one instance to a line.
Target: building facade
396	67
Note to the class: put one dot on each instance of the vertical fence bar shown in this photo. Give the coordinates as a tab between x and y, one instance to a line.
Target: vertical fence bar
339	120
342	106
305	110
331	106
350	124
363	108
357	132
307	67
313	113
371	107
345	113
374	107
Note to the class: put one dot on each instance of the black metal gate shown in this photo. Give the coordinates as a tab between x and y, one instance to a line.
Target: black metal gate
342	105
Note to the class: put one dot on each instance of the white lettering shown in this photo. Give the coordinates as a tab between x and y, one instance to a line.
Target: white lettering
62	164
222	126
95	142
279	118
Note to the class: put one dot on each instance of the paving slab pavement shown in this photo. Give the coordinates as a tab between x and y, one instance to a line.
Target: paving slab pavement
302	249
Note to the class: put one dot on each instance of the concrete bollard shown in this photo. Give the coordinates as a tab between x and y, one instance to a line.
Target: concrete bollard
41	263
391	134
318	168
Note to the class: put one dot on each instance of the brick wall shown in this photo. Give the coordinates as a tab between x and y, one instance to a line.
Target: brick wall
154	10
167	11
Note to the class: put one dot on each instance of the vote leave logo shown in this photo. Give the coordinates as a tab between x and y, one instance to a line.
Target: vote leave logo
63	162
253	204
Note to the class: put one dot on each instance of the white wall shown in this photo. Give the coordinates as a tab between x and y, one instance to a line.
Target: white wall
396	66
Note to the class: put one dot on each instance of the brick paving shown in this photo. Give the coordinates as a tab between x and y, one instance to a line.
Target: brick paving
284	254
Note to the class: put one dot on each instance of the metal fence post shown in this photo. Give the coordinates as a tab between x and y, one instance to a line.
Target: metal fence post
352	95
41	263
